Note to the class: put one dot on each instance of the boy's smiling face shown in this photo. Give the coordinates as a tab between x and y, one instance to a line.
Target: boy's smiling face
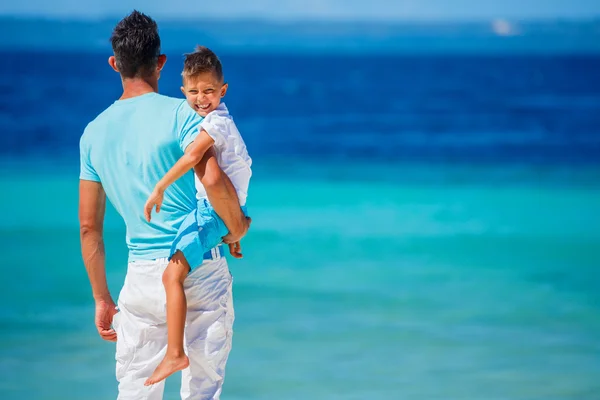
203	92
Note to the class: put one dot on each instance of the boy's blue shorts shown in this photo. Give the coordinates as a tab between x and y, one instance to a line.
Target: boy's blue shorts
201	231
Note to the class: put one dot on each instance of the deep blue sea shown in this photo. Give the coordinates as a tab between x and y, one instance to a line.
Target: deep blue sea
424	227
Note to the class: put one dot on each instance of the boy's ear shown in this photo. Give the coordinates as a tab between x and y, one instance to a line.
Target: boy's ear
224	89
182	90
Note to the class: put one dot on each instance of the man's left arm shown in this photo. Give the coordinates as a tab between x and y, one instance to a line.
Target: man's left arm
92	206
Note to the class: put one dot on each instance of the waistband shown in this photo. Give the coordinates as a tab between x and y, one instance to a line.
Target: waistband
215	253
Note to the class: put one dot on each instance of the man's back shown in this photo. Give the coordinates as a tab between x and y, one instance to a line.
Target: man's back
128	148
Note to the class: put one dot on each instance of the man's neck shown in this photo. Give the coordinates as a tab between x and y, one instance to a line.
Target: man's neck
137	86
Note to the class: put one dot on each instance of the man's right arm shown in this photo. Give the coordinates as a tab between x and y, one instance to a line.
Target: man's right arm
222	196
92	205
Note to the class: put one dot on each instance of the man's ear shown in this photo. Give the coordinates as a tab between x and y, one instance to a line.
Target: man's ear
162	59
112	61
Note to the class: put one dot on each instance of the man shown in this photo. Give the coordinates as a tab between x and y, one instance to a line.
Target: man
124	152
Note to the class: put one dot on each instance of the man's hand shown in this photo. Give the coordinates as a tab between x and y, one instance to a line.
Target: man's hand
233	237
155	199
235	249
105	311
92	205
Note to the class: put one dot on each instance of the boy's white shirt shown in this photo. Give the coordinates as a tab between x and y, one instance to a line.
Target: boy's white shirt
230	149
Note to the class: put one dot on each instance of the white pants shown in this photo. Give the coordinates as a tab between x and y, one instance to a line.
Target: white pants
142	330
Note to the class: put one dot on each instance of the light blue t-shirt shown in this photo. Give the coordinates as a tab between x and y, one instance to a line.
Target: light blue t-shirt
129	148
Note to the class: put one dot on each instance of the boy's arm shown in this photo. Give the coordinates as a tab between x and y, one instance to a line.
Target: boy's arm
92	205
219	189
193	155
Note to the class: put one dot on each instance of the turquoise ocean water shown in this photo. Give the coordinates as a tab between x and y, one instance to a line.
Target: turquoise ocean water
427	283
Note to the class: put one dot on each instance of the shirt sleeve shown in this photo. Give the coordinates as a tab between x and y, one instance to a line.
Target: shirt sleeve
86	169
187	125
216	127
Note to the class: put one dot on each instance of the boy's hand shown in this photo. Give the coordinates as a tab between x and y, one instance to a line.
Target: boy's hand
155	199
235	249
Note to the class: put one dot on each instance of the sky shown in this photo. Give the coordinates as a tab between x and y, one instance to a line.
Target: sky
452	10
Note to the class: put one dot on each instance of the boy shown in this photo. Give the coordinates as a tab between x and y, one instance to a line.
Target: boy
203	87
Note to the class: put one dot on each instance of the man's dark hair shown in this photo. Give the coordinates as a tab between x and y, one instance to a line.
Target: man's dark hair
200	61
136	45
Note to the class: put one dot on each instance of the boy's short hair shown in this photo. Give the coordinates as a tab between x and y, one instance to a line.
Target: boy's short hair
136	45
200	61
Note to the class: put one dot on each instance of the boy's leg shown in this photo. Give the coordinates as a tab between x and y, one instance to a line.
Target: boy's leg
175	358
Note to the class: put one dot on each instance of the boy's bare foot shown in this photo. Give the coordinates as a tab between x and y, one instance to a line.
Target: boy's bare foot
168	366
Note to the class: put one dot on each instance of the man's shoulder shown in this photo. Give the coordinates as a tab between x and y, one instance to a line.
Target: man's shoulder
94	125
160	104
155	101
159	101
175	102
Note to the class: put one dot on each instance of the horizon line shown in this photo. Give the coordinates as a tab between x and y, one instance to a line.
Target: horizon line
287	20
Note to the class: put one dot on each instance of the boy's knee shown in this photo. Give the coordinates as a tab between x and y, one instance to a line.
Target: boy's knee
177	270
169	276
